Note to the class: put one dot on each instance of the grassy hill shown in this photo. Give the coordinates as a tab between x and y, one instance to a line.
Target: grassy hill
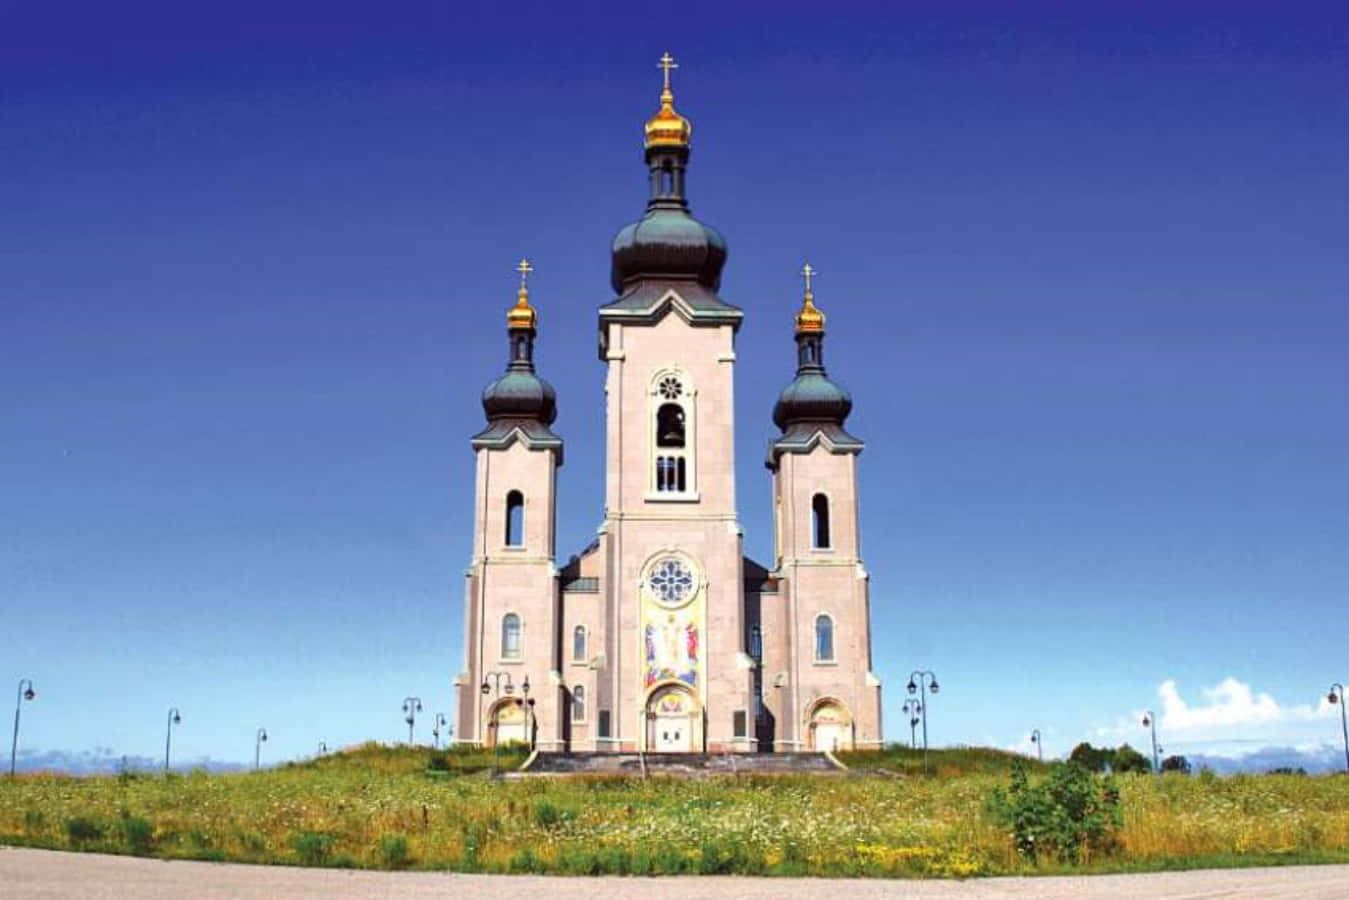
386	807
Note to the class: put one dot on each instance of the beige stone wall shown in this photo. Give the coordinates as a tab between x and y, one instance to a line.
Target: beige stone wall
513	579
822	581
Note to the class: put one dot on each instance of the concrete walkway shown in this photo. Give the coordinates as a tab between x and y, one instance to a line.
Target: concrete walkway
52	874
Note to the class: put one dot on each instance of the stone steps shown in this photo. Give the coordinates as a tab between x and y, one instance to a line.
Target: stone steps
688	765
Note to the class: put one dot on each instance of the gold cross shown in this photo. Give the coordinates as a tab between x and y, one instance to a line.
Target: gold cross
667	63
524	268
806	272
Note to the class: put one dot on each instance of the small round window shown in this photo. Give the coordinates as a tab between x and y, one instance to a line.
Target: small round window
671	582
670	388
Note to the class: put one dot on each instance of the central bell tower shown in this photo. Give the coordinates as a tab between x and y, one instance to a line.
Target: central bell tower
675	675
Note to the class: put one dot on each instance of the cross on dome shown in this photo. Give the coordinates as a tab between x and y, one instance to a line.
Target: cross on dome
522	315
667	63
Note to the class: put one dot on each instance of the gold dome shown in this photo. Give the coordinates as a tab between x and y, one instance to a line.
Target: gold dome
522	315
667	128
809	318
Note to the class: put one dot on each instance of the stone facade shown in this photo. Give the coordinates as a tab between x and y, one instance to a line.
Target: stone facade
661	636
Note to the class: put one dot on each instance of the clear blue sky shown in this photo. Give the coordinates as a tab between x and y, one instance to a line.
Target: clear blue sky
1086	279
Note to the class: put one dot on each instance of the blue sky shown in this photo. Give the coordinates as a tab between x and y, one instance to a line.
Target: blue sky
1085	274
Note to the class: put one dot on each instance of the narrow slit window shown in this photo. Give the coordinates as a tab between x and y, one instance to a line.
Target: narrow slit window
578	644
819	506
755	642
510	636
515	519
824	639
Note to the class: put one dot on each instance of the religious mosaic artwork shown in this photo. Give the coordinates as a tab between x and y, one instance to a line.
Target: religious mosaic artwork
671	703
670	633
830	713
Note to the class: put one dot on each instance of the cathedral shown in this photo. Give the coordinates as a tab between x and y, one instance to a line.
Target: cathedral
661	635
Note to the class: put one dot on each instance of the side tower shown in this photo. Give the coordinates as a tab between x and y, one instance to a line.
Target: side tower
817	644
674	676
508	691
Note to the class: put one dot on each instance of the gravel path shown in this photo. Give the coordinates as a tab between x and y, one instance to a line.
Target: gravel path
50	874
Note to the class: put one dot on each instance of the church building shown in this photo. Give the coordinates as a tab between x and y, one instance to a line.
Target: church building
661	635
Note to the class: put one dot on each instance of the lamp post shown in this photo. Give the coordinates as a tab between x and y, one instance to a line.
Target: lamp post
1150	721
911	709
925	679
1039	744
323	748
257	748
438	721
495	678
26	692
174	719
1344	723
529	712
411	706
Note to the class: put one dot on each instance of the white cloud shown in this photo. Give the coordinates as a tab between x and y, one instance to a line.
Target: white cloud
1229	719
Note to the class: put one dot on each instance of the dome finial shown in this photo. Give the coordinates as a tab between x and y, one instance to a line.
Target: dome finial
809	318
667	128
522	315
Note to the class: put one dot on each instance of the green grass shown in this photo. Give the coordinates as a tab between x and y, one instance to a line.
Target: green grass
383	807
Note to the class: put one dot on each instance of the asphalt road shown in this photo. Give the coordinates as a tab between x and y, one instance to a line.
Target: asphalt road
51	874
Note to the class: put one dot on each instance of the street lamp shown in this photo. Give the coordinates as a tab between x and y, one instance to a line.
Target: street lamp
26	692
323	747
1344	724
411	706
438	721
911	709
257	748
925	680
1039	744
1150	721
529	710
174	719
495	678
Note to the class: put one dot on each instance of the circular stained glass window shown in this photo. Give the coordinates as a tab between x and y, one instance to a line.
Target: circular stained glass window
671	582
670	388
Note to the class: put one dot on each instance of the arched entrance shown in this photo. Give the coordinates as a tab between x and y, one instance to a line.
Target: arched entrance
673	720
830	726
508	722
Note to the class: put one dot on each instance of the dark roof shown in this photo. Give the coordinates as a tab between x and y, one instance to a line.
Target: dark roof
501	433
803	437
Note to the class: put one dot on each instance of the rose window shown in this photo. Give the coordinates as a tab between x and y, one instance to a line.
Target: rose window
671	582
670	388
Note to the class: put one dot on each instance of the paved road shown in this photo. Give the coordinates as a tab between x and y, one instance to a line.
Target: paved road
50	874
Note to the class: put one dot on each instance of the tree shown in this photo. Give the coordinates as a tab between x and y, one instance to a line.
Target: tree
1176	763
1127	759
1093	759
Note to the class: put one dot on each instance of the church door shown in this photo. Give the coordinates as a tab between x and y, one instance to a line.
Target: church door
670	716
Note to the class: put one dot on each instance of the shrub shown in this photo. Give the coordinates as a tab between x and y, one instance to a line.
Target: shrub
138	834
1127	759
1176	764
393	851
81	830
312	848
1069	815
547	815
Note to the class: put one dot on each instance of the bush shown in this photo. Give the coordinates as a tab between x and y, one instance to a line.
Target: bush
312	848
81	830
1127	759
393	851
1176	764
138	835
547	815
1069	815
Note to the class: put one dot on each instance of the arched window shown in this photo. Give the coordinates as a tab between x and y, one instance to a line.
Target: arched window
515	519
755	641
672	438
578	644
819	508
824	638
510	636
578	704
670	425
